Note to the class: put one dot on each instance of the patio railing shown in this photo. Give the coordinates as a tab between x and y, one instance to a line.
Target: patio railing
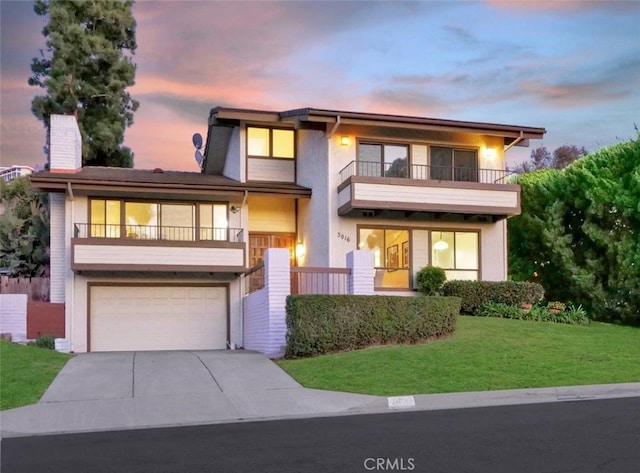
400	169
306	280
157	232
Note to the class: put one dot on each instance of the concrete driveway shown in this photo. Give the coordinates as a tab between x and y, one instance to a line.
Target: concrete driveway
120	390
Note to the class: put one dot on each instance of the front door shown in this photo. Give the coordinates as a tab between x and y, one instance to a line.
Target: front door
259	242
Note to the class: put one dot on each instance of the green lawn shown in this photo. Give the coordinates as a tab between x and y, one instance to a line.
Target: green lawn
26	372
484	354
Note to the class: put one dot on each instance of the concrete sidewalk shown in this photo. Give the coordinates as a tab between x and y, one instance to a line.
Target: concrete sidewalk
114	391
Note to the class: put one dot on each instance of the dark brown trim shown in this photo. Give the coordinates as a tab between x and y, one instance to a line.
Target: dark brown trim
90	285
156	268
358	118
244	114
345	183
120	188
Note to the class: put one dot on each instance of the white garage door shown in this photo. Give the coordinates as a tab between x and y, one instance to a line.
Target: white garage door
128	318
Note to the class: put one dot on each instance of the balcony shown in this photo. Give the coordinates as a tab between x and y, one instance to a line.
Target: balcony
116	248
398	189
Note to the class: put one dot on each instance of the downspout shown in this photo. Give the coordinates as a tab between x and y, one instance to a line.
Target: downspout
335	127
72	293
242	281
514	142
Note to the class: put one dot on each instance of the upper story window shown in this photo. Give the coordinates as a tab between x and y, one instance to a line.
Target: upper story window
270	143
386	160
176	221
450	164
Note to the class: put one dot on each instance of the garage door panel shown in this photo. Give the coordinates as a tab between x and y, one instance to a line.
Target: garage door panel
128	318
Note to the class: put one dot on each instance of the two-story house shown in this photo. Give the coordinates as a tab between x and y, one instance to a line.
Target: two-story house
157	259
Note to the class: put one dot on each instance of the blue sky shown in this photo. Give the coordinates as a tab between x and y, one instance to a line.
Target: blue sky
571	67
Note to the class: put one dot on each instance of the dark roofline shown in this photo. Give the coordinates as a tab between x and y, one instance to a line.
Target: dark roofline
331	116
140	180
313	114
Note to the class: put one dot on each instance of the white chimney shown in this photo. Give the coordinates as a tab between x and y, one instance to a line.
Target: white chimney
65	144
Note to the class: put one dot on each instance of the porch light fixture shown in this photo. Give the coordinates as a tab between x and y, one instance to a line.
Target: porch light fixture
345	141
440	245
300	250
490	153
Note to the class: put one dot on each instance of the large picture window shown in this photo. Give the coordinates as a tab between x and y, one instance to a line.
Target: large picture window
390	247
173	221
386	160
270	143
457	253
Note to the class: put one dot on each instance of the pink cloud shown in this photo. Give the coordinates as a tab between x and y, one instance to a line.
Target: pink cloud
524	6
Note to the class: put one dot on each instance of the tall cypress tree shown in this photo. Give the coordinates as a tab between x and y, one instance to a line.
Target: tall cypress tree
85	69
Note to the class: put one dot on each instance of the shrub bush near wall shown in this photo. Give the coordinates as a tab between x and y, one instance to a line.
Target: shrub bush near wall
475	293
319	324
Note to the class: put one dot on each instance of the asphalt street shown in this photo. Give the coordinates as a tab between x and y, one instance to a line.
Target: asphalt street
579	436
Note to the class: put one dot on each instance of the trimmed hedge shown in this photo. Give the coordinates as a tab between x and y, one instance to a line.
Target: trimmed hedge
430	279
319	324
475	293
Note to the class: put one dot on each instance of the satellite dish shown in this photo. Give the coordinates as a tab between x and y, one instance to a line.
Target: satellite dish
197	140
199	157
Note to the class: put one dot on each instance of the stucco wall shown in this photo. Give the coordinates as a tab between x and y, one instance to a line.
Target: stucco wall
233	166
314	215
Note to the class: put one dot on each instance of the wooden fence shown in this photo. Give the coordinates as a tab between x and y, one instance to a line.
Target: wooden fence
36	289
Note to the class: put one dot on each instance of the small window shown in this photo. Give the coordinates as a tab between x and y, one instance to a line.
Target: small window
105	218
213	222
270	143
258	142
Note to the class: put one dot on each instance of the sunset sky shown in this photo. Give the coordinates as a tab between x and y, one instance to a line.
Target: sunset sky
571	67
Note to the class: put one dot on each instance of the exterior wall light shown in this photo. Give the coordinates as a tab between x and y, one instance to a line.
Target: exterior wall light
345	141
490	153
300	250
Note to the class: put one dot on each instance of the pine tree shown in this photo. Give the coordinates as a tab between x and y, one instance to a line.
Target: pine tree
85	70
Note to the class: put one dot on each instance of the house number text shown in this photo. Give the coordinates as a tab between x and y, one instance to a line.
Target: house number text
344	237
